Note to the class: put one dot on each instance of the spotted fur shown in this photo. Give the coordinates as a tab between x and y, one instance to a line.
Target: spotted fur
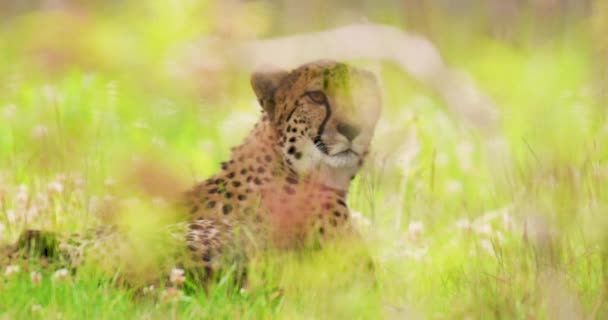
288	181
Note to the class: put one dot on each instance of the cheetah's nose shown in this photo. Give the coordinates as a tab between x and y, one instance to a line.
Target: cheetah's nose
349	131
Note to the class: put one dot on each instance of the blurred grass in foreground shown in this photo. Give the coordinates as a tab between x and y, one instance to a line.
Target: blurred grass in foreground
461	224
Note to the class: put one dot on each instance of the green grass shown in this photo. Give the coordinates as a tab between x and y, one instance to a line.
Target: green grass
459	223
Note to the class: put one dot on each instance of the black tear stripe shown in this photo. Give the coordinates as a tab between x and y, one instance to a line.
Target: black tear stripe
322	126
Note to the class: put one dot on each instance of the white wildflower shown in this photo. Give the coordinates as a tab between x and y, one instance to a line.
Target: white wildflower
11	217
493	214
94	204
35	278
9	111
177	276
50	93
158	141
61	274
464	151
463	224
486	245
40	131
78	181
62	177
36	308
55	187
408	152
148	290
41	201
453	187
21	196
415	253
11	270
359	220
32	212
109	182
415	230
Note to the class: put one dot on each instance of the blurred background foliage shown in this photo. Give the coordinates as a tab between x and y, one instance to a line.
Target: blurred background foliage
463	223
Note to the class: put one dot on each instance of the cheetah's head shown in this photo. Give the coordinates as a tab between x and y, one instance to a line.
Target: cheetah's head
324	114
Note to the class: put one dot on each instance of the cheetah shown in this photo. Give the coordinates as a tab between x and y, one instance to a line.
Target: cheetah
286	183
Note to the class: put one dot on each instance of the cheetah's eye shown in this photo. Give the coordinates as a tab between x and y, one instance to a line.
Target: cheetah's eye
316	96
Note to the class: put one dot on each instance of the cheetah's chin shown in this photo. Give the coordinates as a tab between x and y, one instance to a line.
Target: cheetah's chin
342	159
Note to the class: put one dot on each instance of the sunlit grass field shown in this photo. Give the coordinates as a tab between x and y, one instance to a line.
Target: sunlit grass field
97	114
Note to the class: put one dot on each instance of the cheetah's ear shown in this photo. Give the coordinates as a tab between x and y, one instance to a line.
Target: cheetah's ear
265	81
